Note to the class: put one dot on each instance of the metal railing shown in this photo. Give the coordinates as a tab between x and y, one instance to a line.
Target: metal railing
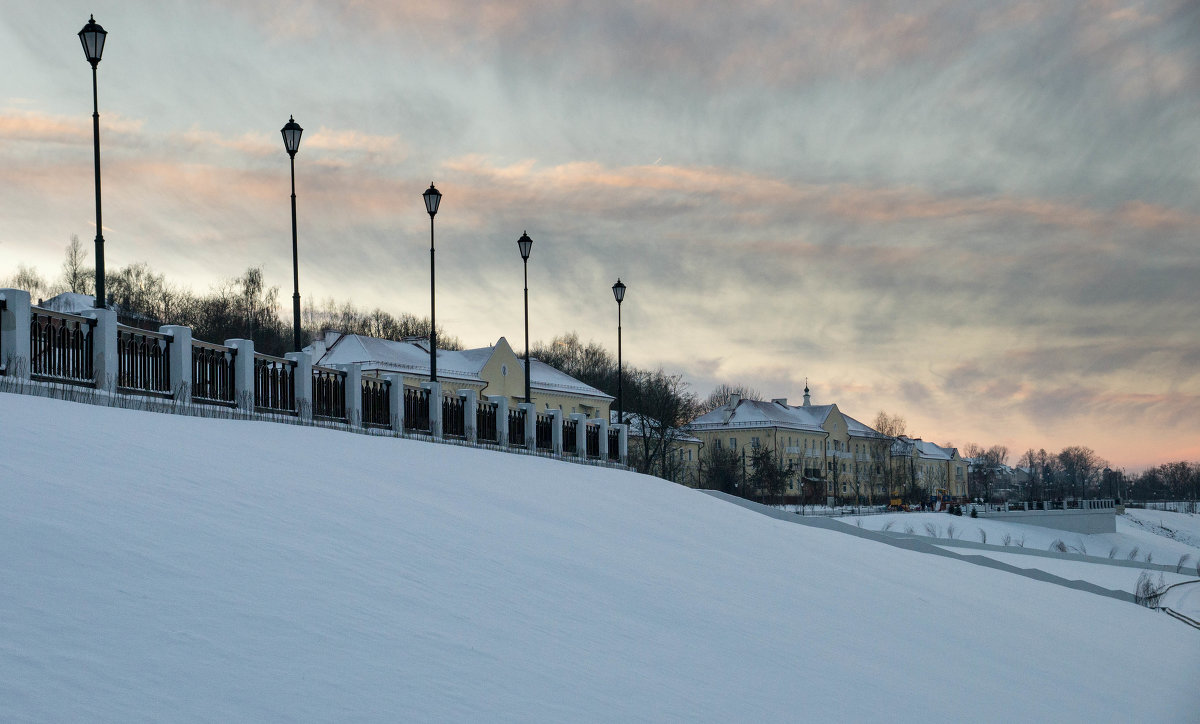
274	384
592	440
485	422
143	361
3	308
543	432
376	402
516	428
328	393
454	417
213	374
416	409
61	347
614	444
570	437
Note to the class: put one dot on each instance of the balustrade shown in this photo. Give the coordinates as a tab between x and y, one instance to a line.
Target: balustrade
213	374
143	361
328	393
61	347
454	422
614	444
274	384
376	402
543	431
485	422
570	437
593	440
416	409
516	428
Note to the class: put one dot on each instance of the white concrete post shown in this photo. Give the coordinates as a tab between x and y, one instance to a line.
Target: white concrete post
530	424
624	443
243	372
104	348
470	400
179	361
435	407
602	423
501	418
556	420
396	401
14	333
353	392
303	384
580	434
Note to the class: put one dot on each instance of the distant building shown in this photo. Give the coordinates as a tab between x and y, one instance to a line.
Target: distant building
668	452
495	370
820	443
939	472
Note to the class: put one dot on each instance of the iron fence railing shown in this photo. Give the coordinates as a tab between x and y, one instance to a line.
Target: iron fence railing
143	361
592	440
61	347
614	444
274	384
516	428
3	308
543	432
376	402
454	417
328	393
213	374
570	437
416	409
486	429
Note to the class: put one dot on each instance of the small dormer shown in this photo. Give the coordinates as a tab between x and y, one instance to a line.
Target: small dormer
780	401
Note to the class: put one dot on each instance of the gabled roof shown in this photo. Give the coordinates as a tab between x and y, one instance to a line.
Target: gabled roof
926	450
413	358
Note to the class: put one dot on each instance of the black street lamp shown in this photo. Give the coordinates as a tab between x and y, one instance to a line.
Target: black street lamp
433	197
525	244
291	141
619	295
92	36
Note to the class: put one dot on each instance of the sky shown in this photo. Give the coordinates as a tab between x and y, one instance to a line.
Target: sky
981	216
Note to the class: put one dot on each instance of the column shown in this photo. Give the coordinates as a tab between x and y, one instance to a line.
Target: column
104	348
179	361
580	434
243	372
302	382
396	401
470	399
435	407
530	424
501	418
14	332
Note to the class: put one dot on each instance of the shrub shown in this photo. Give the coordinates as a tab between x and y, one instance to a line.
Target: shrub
982	536
1058	545
950	531
974	513
1183	560
888	525
1007	539
931	530
1133	554
1112	552
1148	590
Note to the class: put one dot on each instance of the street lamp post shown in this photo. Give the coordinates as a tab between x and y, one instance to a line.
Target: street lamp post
92	37
525	244
433	197
619	295
291	141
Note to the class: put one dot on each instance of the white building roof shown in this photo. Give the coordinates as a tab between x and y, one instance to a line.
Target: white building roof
413	358
758	413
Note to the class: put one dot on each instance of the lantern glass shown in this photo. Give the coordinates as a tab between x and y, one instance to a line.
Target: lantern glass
619	291
291	136
92	36
524	244
433	197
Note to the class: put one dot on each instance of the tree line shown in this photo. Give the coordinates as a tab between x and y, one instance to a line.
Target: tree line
242	307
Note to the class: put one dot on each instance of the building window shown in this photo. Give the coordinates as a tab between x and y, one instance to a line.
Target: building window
733	443
754	442
717	444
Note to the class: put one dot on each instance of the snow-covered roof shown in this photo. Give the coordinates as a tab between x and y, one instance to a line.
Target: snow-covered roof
69	303
758	413
467	364
925	450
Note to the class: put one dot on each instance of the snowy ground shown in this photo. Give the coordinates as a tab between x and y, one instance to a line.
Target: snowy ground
1135	535
245	571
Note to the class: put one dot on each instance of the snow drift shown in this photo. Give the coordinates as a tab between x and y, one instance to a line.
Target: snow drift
159	567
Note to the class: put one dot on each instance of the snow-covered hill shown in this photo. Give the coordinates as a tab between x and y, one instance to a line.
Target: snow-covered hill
165	568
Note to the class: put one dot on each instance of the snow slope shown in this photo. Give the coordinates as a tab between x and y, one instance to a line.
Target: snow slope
247	571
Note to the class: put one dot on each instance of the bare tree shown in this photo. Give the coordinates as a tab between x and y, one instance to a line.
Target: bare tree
720	396
77	277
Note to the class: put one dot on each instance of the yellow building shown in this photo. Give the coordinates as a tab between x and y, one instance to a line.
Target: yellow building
939	472
819	442
495	370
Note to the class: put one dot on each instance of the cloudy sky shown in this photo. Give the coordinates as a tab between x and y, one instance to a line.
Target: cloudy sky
981	216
